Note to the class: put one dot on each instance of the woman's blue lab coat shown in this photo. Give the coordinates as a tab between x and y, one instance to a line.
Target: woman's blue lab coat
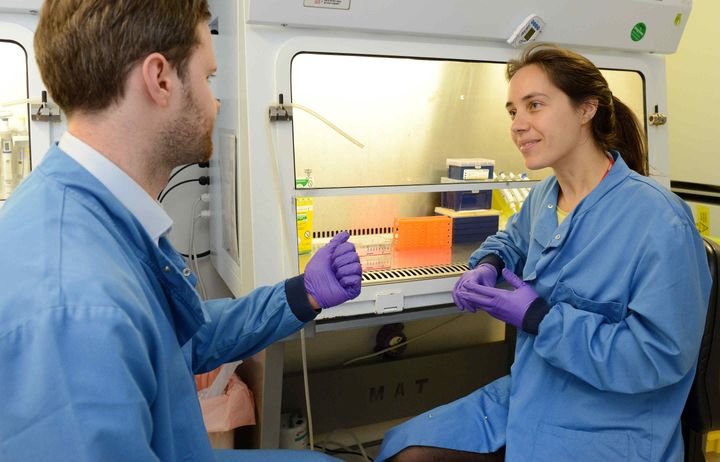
607	376
101	330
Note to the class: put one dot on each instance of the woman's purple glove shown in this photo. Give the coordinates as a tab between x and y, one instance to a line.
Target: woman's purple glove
510	306
333	274
484	274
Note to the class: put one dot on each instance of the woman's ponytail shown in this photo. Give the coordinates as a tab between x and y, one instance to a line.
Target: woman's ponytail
629	138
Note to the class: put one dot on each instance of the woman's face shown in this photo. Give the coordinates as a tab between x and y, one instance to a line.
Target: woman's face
545	127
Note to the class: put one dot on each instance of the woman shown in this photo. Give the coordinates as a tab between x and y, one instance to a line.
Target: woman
611	287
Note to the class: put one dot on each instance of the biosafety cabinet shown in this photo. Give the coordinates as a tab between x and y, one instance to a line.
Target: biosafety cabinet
356	109
349	115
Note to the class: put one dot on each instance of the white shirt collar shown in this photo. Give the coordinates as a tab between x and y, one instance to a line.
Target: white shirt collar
146	209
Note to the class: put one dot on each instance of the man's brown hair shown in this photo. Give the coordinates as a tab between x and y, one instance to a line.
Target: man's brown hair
85	48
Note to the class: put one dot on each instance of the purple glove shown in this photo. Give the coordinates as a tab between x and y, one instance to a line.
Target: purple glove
484	274
510	306
332	276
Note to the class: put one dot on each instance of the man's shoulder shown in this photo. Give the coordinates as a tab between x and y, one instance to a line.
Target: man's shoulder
60	237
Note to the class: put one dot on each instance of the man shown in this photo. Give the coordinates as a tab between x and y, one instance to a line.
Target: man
101	328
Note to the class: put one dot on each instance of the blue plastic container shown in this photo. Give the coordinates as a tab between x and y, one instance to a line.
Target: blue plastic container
471	228
472	168
468	169
474	229
466	200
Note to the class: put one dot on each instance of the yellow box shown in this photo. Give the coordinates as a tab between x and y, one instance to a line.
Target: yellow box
304	217
713	440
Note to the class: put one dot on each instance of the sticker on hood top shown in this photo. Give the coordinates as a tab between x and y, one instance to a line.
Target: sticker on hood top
333	4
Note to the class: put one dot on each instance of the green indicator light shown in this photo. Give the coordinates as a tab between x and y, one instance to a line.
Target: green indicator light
638	32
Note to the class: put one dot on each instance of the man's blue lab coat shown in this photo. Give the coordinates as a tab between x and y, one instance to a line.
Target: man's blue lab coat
101	331
607	376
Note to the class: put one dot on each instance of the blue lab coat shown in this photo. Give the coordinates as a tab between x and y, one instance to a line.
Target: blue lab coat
607	375
101	329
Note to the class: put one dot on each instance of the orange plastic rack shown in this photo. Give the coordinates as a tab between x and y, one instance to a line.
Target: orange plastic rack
422	232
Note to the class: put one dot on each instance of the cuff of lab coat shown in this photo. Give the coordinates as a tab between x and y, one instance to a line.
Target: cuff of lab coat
298	299
534	315
494	260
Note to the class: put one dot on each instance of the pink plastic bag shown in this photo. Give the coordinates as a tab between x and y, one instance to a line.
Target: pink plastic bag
234	408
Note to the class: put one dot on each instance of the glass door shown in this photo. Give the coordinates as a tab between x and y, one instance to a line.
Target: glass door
14	126
437	172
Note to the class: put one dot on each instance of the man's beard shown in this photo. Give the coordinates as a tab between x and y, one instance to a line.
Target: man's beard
187	139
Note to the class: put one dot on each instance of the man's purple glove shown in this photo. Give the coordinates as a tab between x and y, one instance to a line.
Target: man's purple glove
484	274
332	276
511	306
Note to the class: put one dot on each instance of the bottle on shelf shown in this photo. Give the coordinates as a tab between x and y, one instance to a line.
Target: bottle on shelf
304	214
6	157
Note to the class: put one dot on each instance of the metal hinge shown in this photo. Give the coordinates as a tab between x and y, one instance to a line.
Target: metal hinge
44	112
280	112
657	118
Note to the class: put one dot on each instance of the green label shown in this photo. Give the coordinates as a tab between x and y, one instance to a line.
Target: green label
638	32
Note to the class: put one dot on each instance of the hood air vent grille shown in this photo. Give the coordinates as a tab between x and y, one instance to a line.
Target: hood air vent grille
387	276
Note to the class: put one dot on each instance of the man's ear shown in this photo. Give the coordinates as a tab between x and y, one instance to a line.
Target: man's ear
588	109
158	76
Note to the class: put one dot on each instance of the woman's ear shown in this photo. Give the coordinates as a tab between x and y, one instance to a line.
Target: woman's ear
588	109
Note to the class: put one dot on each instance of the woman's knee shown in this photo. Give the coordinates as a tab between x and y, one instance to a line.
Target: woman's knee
429	454
412	454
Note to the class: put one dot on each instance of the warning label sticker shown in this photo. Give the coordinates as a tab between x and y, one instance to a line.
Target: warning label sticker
333	4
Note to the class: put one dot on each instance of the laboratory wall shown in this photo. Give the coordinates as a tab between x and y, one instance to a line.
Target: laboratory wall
693	74
693	97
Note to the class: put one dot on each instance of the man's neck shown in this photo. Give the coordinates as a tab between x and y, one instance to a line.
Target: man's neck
126	145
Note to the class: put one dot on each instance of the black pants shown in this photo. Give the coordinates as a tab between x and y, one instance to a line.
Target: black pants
428	454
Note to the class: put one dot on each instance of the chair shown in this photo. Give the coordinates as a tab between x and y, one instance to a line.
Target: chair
702	409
